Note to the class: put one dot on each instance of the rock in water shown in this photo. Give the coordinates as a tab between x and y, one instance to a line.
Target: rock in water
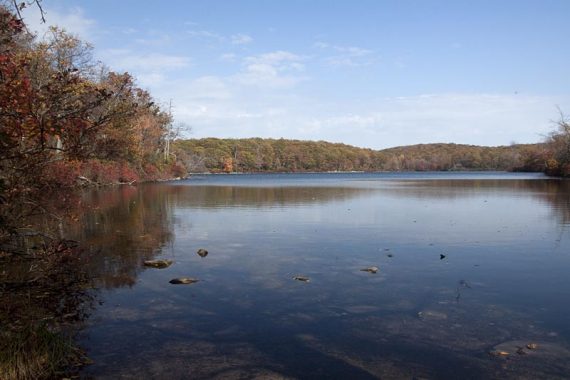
301	278
432	315
442	256
498	353
202	252
158	263
370	269
183	281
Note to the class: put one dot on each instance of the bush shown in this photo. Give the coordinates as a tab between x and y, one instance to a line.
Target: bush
108	172
178	170
62	173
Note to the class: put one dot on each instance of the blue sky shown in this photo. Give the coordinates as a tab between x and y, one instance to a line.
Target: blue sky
368	73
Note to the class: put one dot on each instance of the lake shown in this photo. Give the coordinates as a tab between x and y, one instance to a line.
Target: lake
472	268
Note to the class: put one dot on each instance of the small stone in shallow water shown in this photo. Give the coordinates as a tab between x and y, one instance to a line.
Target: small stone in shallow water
499	353
432	315
202	252
183	281
158	263
370	269
301	278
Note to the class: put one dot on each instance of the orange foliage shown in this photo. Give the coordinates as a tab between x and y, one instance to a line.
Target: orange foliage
228	165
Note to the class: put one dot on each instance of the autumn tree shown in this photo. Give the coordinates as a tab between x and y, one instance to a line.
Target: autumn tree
558	144
63	117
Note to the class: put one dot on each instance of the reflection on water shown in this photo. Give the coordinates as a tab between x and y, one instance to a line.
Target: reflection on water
503	282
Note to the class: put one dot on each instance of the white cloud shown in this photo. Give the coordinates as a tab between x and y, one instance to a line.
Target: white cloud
223	107
73	20
151	70
278	69
129	31
208	87
481	119
234	39
155	39
127	60
350	56
151	79
228	57
241	39
205	34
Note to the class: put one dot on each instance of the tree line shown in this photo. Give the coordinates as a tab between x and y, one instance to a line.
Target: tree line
281	155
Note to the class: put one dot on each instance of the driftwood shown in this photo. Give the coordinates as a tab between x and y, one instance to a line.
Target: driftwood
87	182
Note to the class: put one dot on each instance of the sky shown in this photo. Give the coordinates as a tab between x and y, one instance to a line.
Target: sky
369	73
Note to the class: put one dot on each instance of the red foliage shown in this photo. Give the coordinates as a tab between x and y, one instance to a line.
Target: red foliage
62	173
178	170
151	172
126	173
108	172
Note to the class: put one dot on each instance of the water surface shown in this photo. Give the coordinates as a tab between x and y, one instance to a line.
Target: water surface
503	283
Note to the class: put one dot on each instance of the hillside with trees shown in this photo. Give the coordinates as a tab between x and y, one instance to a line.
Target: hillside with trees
280	155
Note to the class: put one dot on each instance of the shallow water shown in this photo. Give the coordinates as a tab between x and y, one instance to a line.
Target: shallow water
504	280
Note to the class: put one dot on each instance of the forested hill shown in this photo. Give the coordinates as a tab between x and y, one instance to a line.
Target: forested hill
280	155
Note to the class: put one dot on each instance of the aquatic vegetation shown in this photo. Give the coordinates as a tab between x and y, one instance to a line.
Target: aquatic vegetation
36	352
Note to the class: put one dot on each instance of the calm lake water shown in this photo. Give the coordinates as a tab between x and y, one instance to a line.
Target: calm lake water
504	281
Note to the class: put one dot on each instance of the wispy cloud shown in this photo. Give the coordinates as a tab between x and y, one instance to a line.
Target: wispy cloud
73	20
278	69
234	39
352	56
228	57
154	39
205	34
129	31
208	87
150	69
241	39
460	118
129	60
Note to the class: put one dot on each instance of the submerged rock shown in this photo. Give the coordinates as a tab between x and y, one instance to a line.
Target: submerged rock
544	350
432	315
499	353
301	278
202	252
183	281
158	263
370	269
